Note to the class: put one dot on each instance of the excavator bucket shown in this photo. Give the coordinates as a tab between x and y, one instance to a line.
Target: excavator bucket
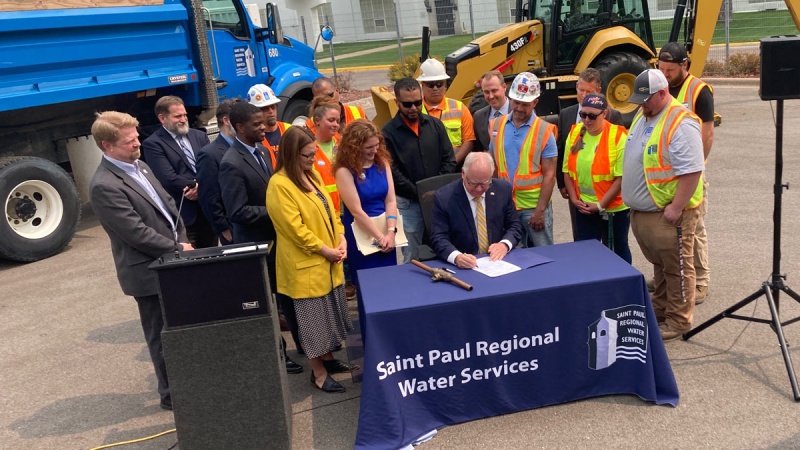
385	106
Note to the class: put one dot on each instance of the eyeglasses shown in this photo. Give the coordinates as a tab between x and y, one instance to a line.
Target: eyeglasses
485	184
433	84
585	115
417	103
308	155
330	94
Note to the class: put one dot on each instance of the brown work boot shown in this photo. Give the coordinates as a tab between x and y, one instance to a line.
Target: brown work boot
700	294
651	285
350	290
668	333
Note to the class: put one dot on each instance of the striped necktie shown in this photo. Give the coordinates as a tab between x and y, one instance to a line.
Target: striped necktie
480	224
187	151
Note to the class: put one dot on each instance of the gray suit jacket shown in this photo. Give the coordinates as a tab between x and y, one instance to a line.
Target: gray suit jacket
480	123
137	228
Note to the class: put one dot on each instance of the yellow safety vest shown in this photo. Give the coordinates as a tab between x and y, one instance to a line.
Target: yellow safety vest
528	178
451	118
691	90
662	183
602	178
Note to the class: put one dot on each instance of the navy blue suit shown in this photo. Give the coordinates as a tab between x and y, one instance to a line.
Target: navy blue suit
208	193
453	224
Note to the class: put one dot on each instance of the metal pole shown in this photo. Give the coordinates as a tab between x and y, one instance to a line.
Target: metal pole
471	20
303	26
399	42
333	58
728	4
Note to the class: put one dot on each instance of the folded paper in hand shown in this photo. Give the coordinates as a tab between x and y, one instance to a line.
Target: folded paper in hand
366	243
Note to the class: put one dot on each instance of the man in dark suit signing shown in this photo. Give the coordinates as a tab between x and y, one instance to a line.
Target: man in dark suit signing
141	221
474	215
244	173
588	83
171	151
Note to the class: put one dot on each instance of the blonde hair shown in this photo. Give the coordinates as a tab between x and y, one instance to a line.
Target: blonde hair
107	125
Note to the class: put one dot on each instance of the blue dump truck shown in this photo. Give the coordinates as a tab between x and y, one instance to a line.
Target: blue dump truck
58	67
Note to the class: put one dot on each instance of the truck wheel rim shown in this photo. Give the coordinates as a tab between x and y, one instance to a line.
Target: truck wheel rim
619	91
34	209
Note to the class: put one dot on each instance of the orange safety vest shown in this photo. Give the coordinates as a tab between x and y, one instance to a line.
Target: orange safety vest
273	151
528	178
602	179
691	90
325	169
351	113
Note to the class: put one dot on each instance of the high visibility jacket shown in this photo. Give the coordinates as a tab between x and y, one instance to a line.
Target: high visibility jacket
325	169
273	151
351	113
662	183
528	178
602	177
451	118
691	90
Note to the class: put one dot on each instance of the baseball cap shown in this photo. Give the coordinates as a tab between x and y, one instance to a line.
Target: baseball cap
595	101
673	52
647	83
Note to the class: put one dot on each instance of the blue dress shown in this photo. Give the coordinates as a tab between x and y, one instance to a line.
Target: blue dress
372	192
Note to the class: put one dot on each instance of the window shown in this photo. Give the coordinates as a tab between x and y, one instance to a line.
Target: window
223	15
378	16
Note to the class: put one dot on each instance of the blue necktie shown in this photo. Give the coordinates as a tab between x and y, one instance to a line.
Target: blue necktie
187	151
260	161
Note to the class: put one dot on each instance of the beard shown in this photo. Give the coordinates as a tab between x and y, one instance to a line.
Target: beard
271	121
179	129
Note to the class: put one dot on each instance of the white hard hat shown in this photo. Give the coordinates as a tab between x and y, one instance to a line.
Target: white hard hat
432	70
261	95
525	88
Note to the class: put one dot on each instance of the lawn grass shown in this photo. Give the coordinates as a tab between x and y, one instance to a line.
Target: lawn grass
352	47
744	27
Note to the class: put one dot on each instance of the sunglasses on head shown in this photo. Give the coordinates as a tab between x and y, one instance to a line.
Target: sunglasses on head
585	115
433	84
417	103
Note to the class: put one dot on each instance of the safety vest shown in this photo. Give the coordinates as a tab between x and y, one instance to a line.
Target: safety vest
691	90
528	178
451	118
662	183
325	169
273	151
602	178
351	113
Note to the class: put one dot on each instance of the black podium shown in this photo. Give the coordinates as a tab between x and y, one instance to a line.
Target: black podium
221	343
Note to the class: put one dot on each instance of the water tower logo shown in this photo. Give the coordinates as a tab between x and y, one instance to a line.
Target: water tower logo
619	333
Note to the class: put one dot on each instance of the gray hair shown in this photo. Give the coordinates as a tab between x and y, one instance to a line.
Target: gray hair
478	156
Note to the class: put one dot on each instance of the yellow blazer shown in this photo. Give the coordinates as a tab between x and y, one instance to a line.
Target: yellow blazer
302	226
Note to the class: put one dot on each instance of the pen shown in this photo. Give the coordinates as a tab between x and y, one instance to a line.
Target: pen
450	270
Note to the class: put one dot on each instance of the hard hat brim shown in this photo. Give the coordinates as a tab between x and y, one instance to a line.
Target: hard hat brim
433	78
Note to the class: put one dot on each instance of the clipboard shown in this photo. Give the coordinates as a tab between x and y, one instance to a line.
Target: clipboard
366	244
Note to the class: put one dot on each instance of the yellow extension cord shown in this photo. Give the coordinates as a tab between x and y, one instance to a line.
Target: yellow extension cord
135	440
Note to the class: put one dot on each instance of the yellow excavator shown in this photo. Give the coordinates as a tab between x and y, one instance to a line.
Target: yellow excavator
557	39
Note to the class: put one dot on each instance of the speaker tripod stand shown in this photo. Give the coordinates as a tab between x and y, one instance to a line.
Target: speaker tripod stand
770	289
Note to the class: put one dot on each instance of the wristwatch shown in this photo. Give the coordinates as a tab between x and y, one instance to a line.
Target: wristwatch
393	230
600	209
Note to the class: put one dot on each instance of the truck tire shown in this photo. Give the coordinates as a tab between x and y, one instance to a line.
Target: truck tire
42	208
296	107
618	72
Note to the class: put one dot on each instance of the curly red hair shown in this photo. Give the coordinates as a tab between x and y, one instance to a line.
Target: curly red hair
355	134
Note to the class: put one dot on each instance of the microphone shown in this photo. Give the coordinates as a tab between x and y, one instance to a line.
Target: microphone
191	185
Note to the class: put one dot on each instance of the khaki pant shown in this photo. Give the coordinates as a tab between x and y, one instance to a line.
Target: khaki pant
701	269
673	298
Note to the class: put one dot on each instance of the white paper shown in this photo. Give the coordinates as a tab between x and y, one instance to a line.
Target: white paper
495	268
366	244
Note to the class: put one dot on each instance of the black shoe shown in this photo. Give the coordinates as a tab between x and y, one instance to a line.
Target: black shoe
336	366
293	367
329	385
166	402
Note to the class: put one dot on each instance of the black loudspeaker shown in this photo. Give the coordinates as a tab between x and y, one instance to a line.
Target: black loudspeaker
221	344
780	68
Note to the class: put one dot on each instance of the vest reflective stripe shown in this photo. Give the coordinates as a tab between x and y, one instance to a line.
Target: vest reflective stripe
602	178
528	178
662	183
352	113
451	118
325	169
282	126
691	90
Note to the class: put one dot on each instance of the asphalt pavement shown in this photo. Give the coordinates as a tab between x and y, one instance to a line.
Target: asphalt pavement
75	370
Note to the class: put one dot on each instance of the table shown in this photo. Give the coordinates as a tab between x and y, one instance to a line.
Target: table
581	326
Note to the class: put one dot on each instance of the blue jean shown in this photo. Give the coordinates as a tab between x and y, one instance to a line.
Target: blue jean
594	226
413	226
531	237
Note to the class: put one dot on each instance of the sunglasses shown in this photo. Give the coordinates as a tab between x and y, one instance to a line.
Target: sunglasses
417	103
308	155
433	84
585	115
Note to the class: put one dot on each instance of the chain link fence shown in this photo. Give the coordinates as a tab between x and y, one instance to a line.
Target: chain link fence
740	25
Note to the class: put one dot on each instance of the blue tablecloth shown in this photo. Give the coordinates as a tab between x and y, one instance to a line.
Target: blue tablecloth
578	327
